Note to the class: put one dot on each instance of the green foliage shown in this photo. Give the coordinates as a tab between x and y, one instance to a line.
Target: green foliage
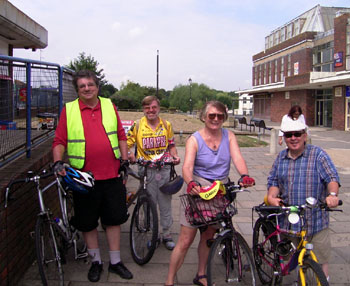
107	90
130	95
83	62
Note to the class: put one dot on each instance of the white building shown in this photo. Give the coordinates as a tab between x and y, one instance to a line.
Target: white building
245	105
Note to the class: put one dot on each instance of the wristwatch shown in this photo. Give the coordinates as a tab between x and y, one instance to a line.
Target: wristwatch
333	194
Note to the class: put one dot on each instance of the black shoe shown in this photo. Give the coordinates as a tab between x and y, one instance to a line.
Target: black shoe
95	271
121	270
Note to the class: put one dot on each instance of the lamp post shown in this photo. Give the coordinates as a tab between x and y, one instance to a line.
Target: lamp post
190	82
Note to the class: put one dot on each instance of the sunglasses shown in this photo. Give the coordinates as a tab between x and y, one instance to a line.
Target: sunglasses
295	134
212	116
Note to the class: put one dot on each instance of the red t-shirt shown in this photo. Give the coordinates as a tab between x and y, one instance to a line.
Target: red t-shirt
99	156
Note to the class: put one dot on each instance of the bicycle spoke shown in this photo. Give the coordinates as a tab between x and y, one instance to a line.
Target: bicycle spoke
230	262
48	256
143	231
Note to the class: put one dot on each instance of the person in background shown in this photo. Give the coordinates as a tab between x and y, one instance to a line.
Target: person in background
208	157
154	140
295	113
301	171
91	132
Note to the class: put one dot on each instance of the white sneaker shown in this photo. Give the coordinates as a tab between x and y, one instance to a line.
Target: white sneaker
169	243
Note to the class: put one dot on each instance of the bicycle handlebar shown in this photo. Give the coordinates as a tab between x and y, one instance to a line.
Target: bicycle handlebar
276	210
29	178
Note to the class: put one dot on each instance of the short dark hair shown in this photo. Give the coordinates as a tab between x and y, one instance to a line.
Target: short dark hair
84	74
217	104
149	99
294	109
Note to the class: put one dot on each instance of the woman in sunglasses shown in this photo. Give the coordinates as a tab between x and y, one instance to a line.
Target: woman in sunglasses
208	156
295	114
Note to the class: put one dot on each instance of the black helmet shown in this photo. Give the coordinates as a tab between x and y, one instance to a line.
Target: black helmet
174	185
76	180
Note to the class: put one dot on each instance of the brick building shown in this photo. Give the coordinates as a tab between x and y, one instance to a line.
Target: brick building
306	62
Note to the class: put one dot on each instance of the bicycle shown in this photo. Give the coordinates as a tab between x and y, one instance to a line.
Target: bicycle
144	220
230	259
53	236
270	250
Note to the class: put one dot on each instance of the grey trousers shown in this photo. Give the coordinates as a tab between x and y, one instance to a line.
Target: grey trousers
155	179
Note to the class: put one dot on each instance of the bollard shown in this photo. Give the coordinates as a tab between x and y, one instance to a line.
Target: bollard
273	141
181	134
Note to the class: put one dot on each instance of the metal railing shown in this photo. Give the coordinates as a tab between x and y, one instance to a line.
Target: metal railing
32	94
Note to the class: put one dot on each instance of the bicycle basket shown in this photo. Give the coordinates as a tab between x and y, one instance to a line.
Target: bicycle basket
200	212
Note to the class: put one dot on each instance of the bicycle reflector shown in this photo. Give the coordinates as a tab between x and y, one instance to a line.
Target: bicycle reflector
79	181
208	193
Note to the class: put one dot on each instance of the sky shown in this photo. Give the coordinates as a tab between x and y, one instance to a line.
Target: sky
210	41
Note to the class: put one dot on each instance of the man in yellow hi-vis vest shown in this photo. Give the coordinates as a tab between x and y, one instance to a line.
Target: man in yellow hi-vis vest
91	132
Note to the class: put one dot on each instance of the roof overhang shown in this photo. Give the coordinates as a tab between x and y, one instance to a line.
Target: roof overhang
19	30
318	80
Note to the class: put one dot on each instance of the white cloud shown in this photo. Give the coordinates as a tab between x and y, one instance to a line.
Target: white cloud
211	41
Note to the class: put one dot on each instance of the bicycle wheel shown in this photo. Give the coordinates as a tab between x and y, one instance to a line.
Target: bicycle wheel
313	273
47	251
230	261
265	257
143	230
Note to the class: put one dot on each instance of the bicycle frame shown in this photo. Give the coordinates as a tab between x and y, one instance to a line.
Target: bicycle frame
303	249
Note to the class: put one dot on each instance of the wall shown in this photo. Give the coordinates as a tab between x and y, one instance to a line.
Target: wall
340	38
17	222
338	112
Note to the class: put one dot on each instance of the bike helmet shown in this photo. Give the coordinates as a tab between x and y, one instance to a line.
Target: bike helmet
174	185
79	181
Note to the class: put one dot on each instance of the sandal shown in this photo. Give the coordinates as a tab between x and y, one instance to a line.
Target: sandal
197	278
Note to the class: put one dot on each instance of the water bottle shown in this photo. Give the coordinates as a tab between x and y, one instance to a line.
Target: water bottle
60	224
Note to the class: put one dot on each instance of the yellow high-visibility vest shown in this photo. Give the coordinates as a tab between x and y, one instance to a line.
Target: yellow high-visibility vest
75	131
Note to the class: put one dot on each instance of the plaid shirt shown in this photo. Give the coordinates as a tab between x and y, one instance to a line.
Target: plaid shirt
306	176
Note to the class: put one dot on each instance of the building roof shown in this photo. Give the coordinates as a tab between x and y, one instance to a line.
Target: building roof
319	19
19	30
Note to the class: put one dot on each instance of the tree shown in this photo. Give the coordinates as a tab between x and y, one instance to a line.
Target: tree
84	62
107	90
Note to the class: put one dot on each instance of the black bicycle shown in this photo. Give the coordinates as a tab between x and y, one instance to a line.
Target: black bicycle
54	236
144	220
230	259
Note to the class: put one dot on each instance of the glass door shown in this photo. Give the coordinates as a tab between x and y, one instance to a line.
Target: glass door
324	108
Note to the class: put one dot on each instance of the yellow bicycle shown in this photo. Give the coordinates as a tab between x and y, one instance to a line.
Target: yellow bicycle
272	246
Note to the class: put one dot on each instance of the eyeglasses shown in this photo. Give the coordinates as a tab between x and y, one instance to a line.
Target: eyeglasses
295	134
212	116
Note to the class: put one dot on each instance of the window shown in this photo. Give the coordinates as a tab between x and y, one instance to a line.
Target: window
270	68
283	34
348	46
322	57
266	42
271	41
276	38
289	65
275	70
265	73
282	69
296	27
289	31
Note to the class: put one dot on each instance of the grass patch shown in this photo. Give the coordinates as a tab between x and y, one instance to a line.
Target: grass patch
248	141
188	123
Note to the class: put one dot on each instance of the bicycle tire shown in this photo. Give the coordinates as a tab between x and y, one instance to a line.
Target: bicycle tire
265	257
47	252
143	230
230	261
313	273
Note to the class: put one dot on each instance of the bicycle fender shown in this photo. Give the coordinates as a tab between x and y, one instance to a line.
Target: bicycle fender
222	233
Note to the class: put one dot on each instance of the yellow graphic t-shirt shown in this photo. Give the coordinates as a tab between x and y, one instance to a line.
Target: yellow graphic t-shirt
151	144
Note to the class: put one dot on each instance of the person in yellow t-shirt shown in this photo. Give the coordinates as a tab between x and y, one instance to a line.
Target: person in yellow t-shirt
154	140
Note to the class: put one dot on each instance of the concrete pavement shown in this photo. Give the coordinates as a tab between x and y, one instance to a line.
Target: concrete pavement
259	162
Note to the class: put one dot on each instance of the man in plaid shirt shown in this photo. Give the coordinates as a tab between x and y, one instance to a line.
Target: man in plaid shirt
303	171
